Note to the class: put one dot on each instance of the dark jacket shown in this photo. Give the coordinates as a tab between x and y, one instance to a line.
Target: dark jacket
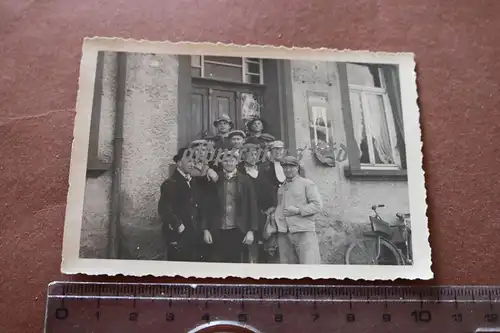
267	168
262	187
268	173
179	204
221	142
246	205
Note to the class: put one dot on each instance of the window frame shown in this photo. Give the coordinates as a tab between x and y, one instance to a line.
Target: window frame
244	70
364	92
355	169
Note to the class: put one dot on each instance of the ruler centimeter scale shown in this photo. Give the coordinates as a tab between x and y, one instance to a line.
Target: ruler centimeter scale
84	307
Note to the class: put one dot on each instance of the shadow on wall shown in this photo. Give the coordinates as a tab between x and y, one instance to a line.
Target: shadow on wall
141	237
335	236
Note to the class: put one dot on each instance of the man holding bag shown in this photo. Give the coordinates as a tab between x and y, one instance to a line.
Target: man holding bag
298	201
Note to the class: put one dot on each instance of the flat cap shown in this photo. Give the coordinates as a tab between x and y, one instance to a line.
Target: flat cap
236	133
197	143
248	146
290	160
223	117
277	144
181	153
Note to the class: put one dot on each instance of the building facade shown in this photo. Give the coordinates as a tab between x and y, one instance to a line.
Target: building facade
344	120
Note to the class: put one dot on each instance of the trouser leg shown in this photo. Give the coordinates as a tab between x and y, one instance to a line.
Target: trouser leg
228	246
286	249
307	247
187	248
252	253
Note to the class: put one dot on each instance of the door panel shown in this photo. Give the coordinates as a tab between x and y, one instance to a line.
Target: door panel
222	102
210	100
199	117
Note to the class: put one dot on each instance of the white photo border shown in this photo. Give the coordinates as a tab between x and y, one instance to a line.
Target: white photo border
73	264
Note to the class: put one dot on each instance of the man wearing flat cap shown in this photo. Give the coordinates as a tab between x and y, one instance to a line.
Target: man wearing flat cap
236	139
180	211
232	216
256	134
202	160
299	201
223	124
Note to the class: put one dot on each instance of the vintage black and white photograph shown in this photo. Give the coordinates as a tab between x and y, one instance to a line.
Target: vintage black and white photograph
216	160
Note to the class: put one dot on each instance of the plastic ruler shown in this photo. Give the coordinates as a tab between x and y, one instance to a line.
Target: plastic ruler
77	307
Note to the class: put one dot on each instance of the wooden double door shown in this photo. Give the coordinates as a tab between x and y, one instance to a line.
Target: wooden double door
209	100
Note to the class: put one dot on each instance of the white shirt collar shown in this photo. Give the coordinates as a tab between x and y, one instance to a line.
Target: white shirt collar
252	170
231	174
187	176
278	170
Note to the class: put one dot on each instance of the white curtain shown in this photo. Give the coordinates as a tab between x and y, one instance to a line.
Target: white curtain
379	129
357	117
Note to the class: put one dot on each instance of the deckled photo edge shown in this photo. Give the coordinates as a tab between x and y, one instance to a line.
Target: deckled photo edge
218	48
79	154
417	183
72	264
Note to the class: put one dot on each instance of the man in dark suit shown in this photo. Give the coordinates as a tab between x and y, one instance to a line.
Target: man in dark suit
272	169
232	213
179	211
265	202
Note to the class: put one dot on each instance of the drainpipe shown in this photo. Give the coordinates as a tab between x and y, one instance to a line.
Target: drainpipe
114	231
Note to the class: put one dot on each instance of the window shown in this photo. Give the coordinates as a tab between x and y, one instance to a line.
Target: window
375	141
244	70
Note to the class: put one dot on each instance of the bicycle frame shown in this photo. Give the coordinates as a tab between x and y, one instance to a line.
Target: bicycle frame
405	230
407	238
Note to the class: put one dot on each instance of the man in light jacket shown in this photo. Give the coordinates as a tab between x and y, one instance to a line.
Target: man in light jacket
298	201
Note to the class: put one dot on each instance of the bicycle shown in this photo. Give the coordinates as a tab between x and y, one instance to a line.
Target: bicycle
378	246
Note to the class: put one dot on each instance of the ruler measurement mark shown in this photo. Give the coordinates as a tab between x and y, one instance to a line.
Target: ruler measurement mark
367	298
302	290
287	295
135	298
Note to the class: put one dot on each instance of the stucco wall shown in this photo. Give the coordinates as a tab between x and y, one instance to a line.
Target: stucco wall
346	203
150	141
96	205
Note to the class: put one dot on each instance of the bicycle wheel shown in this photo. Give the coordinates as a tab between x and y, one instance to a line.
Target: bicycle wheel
365	252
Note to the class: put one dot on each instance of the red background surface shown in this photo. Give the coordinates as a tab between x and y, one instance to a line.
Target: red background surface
457	46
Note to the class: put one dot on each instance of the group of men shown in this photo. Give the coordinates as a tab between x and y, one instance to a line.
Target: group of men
237	198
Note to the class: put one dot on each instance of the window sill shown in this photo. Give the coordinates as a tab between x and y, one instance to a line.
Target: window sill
95	168
360	174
